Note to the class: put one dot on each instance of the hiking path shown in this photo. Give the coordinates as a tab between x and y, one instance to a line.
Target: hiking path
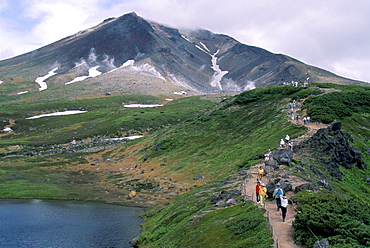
282	231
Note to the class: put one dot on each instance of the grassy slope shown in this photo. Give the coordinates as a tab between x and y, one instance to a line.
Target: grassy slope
216	145
240	129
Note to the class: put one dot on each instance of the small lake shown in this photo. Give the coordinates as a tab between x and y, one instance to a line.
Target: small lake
40	223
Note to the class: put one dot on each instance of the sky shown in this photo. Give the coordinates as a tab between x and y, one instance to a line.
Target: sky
331	34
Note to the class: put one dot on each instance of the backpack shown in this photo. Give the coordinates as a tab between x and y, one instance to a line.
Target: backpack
279	192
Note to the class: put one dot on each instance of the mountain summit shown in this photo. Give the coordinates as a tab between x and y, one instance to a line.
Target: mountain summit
121	53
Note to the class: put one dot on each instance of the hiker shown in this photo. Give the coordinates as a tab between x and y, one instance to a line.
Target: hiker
287	138
284	205
258	186
282	143
267	157
270	154
262	193
277	193
290	145
260	173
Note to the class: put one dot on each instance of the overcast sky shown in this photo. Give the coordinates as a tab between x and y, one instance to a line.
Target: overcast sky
331	34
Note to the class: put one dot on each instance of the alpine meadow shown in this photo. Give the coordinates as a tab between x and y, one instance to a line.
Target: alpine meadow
187	150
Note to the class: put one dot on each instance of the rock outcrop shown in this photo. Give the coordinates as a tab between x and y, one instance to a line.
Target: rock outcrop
283	156
285	185
331	145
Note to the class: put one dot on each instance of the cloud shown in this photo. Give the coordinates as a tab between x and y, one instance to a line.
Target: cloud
329	34
57	19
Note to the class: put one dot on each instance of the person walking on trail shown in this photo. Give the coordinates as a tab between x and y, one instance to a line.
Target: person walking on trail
270	154
260	173
287	138
284	205
263	192
267	157
258	186
282	143
277	193
290	145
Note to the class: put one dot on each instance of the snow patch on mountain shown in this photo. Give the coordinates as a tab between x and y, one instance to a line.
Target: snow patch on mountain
8	129
205	47
127	138
68	112
180	93
142	105
40	80
218	73
22	92
200	48
93	72
183	36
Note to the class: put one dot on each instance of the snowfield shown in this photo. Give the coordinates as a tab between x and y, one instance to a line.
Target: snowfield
68	112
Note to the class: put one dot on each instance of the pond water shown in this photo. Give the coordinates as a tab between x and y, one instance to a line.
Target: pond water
39	223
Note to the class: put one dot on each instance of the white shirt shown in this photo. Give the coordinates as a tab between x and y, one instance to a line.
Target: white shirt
284	201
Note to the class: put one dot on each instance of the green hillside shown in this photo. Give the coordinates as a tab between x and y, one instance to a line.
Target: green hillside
212	136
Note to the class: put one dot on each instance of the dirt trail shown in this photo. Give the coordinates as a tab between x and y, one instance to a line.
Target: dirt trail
282	231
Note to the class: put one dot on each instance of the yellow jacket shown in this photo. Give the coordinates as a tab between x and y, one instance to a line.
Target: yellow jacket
263	190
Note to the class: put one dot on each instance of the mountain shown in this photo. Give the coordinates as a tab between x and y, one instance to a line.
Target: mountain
129	54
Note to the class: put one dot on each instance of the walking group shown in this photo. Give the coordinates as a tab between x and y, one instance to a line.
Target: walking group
286	142
296	117
278	194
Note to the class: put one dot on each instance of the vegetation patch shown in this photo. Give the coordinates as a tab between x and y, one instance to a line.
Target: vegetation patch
345	222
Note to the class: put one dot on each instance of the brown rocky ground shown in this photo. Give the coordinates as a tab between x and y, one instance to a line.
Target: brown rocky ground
124	172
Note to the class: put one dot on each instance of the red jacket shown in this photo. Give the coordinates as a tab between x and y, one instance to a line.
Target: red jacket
258	189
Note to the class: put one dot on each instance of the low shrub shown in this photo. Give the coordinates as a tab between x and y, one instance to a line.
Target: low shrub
339	104
327	215
244	224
